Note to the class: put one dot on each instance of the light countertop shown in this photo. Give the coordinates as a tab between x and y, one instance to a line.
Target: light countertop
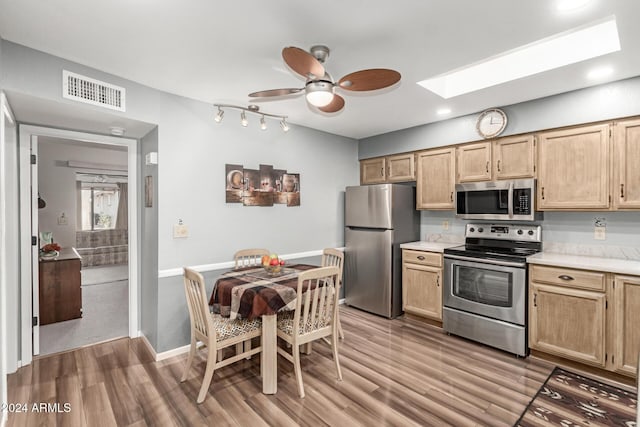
610	265
428	246
65	254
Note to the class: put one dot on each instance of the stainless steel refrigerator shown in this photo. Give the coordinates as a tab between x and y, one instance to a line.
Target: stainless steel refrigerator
378	218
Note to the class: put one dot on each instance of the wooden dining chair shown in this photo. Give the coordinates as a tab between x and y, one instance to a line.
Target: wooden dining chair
313	318
249	257
214	331
335	257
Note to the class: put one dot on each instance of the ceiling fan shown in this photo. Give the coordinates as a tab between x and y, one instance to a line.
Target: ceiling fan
320	87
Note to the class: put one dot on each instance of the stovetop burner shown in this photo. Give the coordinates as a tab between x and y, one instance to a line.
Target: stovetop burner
501	242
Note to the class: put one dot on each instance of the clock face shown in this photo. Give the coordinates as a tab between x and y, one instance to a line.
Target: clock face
491	123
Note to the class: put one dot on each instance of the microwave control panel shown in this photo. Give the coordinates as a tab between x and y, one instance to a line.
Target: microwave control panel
522	201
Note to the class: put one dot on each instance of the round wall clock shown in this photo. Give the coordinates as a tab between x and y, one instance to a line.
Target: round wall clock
491	122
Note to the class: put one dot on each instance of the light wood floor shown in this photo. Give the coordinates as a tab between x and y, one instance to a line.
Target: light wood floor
401	372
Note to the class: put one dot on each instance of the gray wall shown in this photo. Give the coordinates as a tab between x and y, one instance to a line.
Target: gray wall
610	101
3	303
148	238
57	183
193	151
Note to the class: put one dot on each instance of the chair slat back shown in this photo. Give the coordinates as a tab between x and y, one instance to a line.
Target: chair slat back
249	257
201	321
333	257
317	299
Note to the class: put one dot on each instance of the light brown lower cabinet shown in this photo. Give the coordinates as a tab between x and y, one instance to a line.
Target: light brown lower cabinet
590	317
422	283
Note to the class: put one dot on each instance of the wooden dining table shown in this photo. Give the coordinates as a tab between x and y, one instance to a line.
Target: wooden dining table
251	292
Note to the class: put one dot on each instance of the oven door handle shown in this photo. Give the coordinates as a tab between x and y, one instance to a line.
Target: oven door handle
487	261
510	197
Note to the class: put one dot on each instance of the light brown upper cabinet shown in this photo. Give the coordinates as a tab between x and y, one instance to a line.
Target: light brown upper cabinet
626	161
573	168
514	157
373	171
436	178
397	168
505	158
474	162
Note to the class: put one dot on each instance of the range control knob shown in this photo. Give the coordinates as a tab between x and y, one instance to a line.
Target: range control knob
519	231
480	230
530	233
472	229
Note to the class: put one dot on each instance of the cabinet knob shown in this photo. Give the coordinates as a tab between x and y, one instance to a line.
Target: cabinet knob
565	277
420	257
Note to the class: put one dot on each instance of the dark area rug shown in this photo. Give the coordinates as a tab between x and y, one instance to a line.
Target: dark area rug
567	399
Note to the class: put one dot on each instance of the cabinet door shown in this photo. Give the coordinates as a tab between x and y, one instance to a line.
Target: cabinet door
568	323
626	339
474	162
401	168
421	290
436	175
514	157
573	168
626	173
372	171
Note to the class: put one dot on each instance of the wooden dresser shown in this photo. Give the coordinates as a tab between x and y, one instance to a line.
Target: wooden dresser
60	291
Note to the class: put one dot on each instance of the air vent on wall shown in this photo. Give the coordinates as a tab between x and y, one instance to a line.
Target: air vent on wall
91	91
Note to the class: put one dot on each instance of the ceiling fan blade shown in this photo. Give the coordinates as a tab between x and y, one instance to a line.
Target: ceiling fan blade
302	62
372	79
334	106
274	92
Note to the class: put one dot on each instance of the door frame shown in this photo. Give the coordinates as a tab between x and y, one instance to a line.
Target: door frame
28	278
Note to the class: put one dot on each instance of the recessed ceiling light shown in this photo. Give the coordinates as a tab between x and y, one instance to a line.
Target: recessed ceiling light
599	73
443	111
564	5
570	47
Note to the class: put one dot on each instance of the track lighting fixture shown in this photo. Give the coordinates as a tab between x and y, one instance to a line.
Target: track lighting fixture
250	109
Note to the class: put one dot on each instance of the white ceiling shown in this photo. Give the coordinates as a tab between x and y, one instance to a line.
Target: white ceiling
219	51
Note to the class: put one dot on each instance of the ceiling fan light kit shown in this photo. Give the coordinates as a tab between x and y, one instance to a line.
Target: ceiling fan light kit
250	109
320	88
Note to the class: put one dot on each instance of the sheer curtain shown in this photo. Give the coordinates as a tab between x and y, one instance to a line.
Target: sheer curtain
122	218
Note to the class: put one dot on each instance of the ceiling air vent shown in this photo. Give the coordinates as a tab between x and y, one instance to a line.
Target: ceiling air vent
91	91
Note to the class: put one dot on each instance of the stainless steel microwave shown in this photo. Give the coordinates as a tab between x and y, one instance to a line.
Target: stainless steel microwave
510	200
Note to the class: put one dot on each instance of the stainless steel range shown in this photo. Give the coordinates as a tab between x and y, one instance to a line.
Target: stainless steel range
485	285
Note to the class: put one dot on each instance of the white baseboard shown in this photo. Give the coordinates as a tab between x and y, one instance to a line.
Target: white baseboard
341	301
166	354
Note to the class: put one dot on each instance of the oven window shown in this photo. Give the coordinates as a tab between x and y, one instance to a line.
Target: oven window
483	286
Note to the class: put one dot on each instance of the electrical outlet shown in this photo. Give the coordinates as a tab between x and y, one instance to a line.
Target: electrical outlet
180	231
445	225
600	233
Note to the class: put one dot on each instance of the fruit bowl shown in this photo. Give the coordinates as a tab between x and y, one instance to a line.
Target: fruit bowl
273	269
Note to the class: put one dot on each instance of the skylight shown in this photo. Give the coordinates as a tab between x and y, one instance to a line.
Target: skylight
569	47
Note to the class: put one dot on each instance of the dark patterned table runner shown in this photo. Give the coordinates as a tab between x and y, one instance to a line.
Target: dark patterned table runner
251	292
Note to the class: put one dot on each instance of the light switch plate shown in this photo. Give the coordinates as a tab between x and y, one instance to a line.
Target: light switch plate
180	231
62	219
600	233
445	225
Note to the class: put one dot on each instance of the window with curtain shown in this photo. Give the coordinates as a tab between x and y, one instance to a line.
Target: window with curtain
100	201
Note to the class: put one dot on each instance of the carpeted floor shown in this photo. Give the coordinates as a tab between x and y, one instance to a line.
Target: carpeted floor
104	274
105	312
567	399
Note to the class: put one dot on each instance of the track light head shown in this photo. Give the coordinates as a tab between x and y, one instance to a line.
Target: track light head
243	119
263	124
284	125
219	116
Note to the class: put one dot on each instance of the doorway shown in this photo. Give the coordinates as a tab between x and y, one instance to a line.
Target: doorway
83	210
66	219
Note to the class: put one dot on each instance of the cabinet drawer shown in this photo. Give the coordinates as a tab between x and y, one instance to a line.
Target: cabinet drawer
422	258
579	279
